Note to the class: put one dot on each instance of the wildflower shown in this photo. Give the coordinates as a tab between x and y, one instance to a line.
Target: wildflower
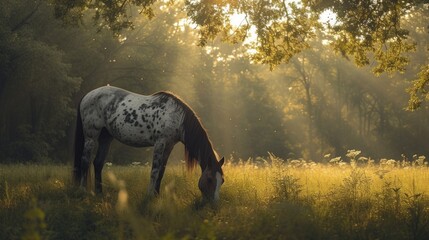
380	173
335	160
352	154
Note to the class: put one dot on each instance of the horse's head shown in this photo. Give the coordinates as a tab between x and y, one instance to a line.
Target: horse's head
211	179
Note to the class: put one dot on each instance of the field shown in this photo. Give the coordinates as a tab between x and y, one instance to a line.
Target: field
261	199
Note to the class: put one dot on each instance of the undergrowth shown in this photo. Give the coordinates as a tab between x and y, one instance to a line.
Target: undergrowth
261	199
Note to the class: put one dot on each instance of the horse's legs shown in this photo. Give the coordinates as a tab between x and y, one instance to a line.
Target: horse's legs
162	170
86	159
161	153
104	141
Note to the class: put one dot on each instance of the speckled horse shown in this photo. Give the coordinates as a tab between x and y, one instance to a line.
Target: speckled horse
159	120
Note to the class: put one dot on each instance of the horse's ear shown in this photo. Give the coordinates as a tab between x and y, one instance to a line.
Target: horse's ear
222	161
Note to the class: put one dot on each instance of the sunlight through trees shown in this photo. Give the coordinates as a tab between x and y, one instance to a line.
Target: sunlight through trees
307	99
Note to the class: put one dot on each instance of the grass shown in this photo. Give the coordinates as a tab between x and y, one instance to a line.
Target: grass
263	199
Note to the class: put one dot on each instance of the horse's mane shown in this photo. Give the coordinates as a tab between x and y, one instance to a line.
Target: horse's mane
198	147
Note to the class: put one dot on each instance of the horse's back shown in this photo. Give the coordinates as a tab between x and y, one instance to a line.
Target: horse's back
134	119
104	95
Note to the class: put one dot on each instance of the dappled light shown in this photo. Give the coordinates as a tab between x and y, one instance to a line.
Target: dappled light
316	104
318	108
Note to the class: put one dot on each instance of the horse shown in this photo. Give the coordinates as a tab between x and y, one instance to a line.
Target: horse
159	120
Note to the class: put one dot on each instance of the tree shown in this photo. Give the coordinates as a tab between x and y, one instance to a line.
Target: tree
368	31
233	101
36	88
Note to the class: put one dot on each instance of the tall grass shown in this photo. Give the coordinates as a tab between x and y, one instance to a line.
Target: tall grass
261	199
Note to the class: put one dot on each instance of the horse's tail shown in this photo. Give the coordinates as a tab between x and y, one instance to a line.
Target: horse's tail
78	149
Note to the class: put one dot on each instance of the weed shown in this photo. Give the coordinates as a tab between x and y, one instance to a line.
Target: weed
34	222
417	214
287	187
349	206
261	199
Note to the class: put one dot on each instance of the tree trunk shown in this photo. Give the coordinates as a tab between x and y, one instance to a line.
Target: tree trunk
309	106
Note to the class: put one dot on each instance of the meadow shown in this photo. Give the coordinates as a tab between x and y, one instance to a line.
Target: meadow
263	198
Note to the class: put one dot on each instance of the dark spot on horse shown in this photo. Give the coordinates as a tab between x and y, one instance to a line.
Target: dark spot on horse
141	131
143	106
128	119
136	124
123	104
129	100
148	127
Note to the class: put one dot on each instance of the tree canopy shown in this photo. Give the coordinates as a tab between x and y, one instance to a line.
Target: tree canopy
370	32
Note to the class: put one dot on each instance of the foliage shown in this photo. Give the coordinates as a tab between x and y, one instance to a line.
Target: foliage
317	104
113	14
365	30
38	80
365	27
418	91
